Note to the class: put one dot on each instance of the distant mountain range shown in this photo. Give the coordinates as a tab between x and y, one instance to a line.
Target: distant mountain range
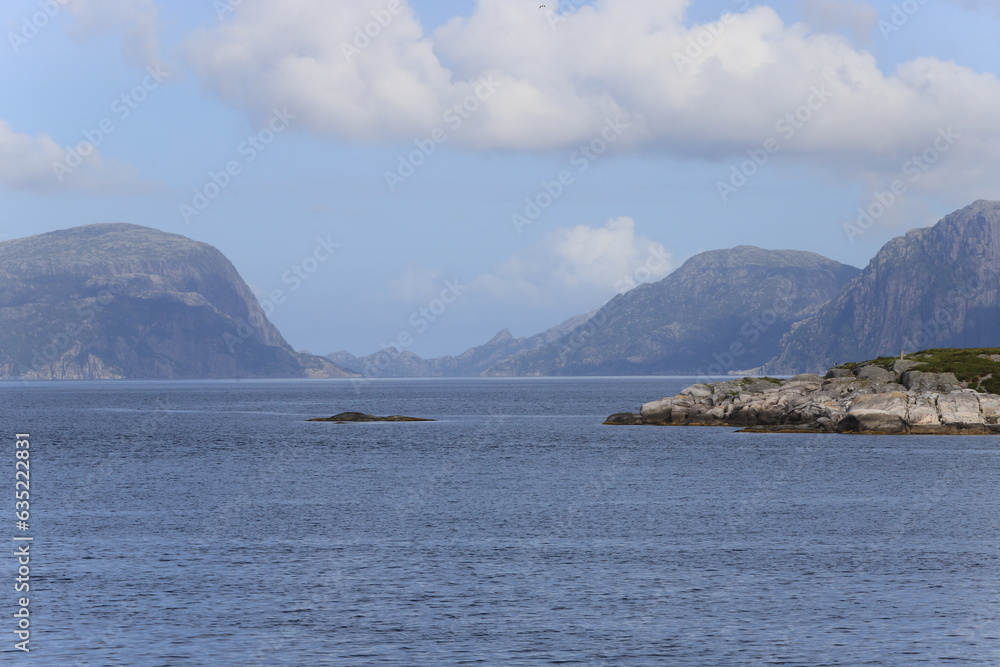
755	310
123	301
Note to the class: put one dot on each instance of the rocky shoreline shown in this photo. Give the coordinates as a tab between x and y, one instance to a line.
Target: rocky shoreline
867	398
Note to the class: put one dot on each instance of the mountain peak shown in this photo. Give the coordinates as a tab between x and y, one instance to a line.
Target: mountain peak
502	336
935	287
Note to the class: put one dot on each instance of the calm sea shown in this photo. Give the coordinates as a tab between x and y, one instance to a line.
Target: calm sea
207	523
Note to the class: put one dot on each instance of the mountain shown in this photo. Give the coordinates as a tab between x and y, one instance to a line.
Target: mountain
124	301
721	311
935	287
474	361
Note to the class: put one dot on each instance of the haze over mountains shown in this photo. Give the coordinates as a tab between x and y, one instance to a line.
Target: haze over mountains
779	311
722	310
124	301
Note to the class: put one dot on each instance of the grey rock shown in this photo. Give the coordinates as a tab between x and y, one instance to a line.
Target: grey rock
345	417
989	407
873	421
876	373
624	419
959	408
922	411
894	402
760	386
697	390
840	373
656	412
920	381
903	365
847	405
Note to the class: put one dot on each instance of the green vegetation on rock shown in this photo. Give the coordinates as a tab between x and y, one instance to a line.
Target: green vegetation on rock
979	367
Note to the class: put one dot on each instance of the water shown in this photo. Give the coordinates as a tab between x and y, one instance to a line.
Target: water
206	523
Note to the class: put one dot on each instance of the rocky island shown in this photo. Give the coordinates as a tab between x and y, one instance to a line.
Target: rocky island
345	417
941	391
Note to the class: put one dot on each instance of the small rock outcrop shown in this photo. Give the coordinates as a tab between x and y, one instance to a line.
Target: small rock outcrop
345	417
865	398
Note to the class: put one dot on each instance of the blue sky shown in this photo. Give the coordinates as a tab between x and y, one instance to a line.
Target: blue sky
595	145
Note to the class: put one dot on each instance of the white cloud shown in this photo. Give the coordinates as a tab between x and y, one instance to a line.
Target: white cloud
710	91
291	54
583	266
136	21
27	163
416	285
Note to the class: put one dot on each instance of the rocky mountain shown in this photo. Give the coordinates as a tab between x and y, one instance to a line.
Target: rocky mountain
124	301
721	311
935	287
473	362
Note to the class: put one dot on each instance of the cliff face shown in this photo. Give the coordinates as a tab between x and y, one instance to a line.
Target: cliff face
124	301
721	311
934	287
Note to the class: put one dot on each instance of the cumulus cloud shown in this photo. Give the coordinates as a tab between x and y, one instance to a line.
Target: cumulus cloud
579	265
136	21
354	70
37	163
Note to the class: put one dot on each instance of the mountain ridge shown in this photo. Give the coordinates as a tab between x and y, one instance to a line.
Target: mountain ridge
118	300
933	287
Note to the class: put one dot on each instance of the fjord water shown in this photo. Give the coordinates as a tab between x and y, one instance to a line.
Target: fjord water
207	523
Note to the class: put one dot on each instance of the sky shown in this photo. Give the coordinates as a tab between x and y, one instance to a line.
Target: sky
432	172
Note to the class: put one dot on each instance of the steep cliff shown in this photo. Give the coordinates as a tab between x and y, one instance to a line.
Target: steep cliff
934	287
125	301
